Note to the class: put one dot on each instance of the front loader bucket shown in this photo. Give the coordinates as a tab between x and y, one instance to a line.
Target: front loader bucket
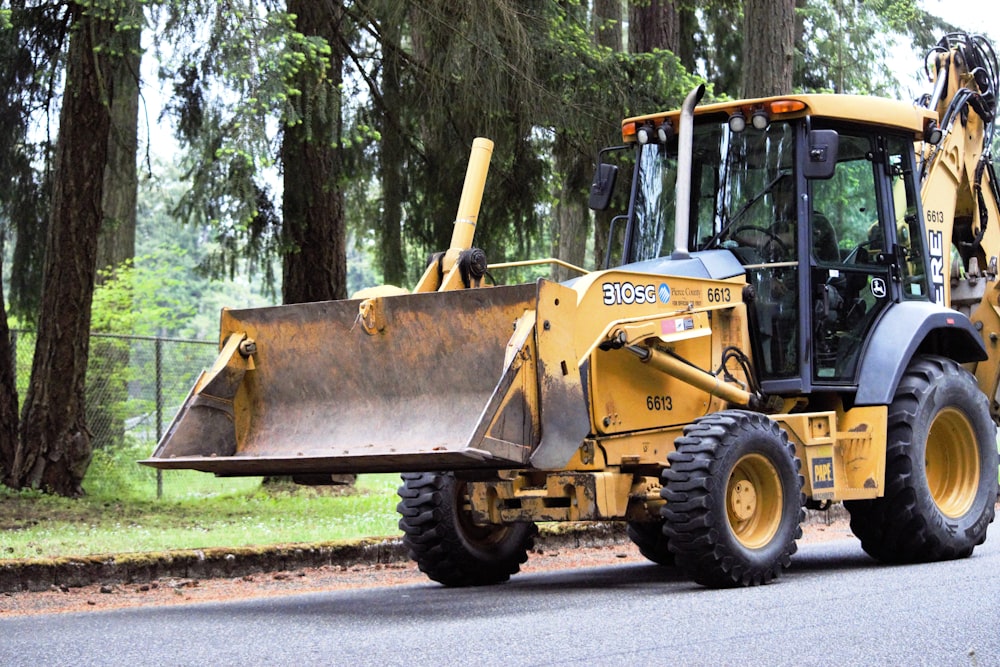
422	383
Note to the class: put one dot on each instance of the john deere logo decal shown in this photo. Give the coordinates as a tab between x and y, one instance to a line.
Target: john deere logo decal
878	288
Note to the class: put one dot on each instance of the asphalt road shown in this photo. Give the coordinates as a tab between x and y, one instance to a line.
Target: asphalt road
834	607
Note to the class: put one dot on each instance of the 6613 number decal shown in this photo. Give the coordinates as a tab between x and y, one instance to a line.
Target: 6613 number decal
719	295
658	403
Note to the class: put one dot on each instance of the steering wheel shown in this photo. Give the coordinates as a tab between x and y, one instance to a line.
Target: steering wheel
860	254
773	248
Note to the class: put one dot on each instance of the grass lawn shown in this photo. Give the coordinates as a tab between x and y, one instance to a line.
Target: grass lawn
196	511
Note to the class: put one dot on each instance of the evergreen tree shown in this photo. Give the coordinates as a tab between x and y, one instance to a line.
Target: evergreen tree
55	447
314	255
116	240
655	24
769	57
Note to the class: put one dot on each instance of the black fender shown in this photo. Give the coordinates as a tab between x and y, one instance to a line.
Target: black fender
907	329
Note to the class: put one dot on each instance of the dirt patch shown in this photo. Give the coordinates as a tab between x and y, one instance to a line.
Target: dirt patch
266	584
566	547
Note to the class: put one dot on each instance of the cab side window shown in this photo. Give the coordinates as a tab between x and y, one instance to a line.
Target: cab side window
909	241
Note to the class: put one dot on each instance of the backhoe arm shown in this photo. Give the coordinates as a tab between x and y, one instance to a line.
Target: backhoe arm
959	192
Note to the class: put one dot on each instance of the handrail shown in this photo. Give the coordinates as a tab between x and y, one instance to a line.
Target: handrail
538	262
772	265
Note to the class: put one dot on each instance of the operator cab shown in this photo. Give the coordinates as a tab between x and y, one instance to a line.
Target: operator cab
823	217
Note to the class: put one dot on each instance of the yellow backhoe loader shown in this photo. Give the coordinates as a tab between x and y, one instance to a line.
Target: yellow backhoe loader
806	311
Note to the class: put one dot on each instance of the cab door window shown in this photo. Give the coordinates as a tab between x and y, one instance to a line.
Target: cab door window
850	278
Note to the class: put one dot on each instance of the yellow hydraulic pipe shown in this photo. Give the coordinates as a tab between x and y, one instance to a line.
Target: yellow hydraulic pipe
472	194
442	274
693	376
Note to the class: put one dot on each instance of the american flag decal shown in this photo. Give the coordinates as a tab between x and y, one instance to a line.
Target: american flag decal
678	324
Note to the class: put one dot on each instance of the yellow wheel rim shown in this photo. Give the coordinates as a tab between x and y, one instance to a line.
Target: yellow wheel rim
754	501
951	461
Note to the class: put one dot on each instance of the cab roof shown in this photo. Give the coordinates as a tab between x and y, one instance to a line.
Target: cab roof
852	108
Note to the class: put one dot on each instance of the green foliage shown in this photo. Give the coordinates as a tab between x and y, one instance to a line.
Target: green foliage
107	402
361	271
34	39
718	41
162	292
846	45
230	84
27	81
24	349
143	296
469	71
521	74
114	473
169	282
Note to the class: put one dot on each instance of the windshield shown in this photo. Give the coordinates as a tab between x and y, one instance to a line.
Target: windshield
742	184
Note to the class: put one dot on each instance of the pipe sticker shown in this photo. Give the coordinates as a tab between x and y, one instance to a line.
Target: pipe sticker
679	324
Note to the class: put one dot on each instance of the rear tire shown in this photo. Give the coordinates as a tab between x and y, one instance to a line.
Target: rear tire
734	500
651	541
940	471
446	545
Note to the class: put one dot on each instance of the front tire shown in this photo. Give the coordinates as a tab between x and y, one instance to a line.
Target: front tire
940	471
651	541
734	500
447	546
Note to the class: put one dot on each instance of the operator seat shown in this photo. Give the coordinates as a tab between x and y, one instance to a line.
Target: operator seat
825	246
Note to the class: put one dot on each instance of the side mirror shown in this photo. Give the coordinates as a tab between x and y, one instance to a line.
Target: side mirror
603	186
821	159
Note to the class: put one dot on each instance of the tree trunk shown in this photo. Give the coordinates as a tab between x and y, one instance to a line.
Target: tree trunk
688	24
315	266
107	378
391	155
116	242
574	165
571	213
608	24
768	47
653	24
24	192
8	394
800	43
604	10
55	448
17	171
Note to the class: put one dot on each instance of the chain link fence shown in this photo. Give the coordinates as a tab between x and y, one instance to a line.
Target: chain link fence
135	385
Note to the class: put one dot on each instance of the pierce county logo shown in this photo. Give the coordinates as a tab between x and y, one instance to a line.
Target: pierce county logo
664	293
